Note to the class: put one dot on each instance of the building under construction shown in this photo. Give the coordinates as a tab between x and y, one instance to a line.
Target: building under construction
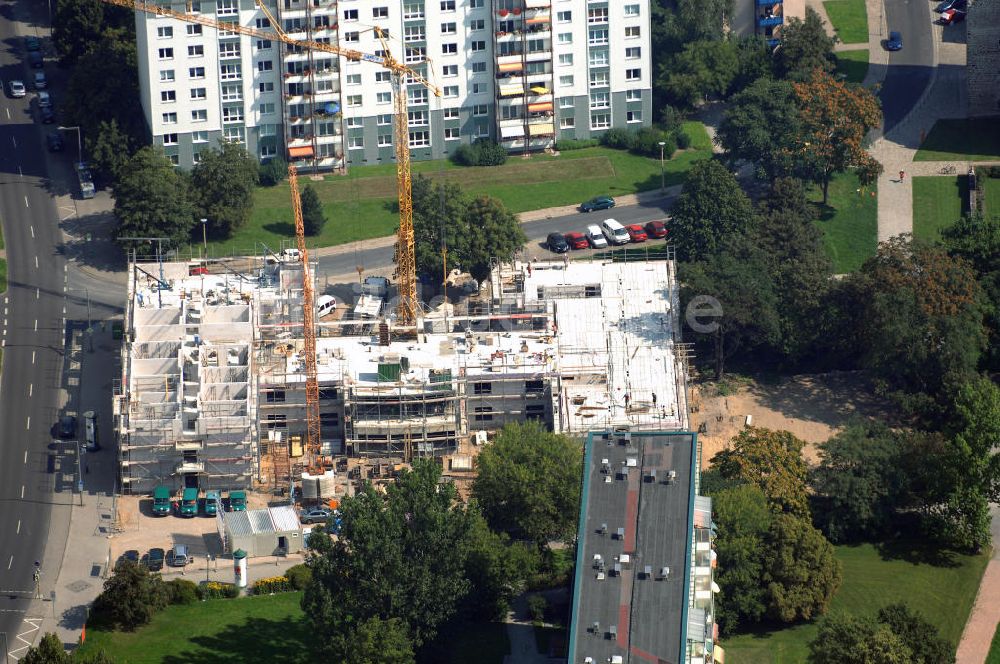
213	386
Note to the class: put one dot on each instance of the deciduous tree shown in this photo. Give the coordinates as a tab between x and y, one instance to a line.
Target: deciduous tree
761	125
710	210
49	650
130	597
377	641
921	637
772	461
801	572
846	639
491	231
152	199
703	70
528	483
222	188
805	47
743	519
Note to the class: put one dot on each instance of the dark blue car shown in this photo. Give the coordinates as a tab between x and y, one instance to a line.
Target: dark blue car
599	203
895	41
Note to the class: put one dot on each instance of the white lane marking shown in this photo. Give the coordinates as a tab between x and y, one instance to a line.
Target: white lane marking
64	311
26	456
11	561
18	527
5	311
8	113
38	293
65	268
36	325
31	388
19	170
22	491
26	202
36	262
32	357
32	231
27	424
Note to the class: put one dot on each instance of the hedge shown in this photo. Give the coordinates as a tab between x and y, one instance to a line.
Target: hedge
271	585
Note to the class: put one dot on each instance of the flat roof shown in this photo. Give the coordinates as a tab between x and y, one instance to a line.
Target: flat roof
636	519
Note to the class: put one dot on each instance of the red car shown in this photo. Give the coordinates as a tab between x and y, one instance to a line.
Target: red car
197	271
577	240
636	233
656	229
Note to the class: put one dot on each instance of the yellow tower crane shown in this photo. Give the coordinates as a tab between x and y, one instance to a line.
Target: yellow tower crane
406	273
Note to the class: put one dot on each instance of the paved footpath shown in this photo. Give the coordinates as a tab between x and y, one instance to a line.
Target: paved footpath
978	634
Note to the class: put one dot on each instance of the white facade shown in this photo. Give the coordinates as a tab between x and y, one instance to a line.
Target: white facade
522	72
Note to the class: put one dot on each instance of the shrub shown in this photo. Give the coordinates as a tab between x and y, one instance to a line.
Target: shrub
130	598
682	139
299	576
993	171
272	172
271	585
483	152
671	118
217	590
181	591
536	607
619	139
647	141
464	155
577	144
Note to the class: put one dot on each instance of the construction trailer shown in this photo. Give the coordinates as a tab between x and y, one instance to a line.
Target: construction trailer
274	531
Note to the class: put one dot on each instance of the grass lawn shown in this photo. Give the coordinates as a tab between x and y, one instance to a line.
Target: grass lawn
223	631
849	19
994	655
937	204
849	222
975	139
852	64
991	197
943	593
362	204
3	276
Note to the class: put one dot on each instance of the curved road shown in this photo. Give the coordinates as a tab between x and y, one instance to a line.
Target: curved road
910	69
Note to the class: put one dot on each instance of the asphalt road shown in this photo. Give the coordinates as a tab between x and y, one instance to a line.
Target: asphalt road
910	68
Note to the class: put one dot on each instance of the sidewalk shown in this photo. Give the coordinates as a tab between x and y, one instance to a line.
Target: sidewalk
978	634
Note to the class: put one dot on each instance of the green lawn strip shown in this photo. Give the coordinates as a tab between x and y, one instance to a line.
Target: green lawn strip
994	655
991	196
937	204
976	139
849	222
3	275
943	593
361	205
251	629
849	18
699	137
853	64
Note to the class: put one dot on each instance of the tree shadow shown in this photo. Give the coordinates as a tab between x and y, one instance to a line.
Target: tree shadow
831	398
281	228
255	640
917	553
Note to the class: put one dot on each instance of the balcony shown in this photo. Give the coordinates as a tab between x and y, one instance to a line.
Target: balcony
769	21
768	3
185	467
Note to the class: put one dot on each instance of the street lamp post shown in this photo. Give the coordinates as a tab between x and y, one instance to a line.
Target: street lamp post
663	183
204	236
79	142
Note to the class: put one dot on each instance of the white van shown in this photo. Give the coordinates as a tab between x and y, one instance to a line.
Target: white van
614	231
90	427
325	304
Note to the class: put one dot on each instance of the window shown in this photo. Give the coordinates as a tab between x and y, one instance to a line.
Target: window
451	134
169	118
232	114
413	55
326	129
194	30
633	95
565	59
384	140
174	159
599	15
633	53
476	4
229	72
383	77
265	65
380	12
327	393
195	6
477	24
566	81
484	414
600	100
329	420
350	14
479	88
354	100
274	396
267	151
447	5
355	122
226	7
478	45
633	74
448	29
353	79
267	108
384	120
565	38
451	114
353	36
164	32
166	54
198	93
167	76
450	71
633	116
413	10
482	388
417	119
269	129
632	32
197	50
480	110
600	120
234	134
275	421
414	33
265	87
631	10
199	137
566	122
170	139
450	91
232	92
597	37
355	142
449	49
478	67
534	386
382	98
263	44
564	17
196	72
417	96
196	158
511	112
599	79
599	58
263	23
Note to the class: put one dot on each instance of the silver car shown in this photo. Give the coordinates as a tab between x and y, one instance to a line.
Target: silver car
17	89
40	82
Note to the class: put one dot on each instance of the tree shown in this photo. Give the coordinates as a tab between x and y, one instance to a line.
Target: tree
130	597
743	519
377	641
498	570
222	188
78	24
738	281
438	213
400	554
858	483
835	117
772	461
805	47
49	650
109	151
922	638
801	572
977	239
703	70
312	211
711	208
152	199
846	639
491	231
528	483
749	127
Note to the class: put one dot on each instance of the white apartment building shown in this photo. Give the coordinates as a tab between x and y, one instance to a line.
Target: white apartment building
524	73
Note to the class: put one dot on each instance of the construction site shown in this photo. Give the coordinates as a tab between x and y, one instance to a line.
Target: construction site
214	387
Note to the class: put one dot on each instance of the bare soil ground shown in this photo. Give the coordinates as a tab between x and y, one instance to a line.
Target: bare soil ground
813	407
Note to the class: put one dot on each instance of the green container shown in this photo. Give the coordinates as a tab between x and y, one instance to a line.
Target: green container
388	372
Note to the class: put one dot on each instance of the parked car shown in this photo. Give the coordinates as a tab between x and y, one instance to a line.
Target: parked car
32	43
636	233
90	433
189	503
197	271
179	556
614	231
557	243
54	141
325	304
212	501
598	203
44	99
36	60
154	559
596	237
67	426
237	501
47	115
315	515
895	41
952	16
950	4
161	501
17	89
40	81
576	240
132	556
656	229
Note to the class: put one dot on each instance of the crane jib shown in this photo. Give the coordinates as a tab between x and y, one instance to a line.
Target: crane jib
372	58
